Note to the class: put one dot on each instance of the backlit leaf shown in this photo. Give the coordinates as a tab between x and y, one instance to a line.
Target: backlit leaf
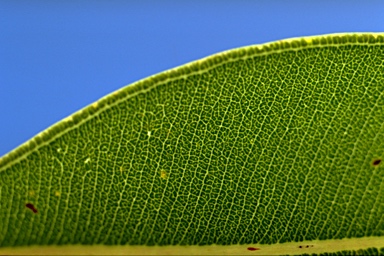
271	148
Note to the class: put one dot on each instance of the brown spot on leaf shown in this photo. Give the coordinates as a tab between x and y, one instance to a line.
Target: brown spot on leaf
253	249
376	162
32	207
307	246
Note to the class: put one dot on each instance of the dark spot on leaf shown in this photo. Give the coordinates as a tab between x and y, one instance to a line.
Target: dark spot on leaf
307	246
253	249
32	207
376	162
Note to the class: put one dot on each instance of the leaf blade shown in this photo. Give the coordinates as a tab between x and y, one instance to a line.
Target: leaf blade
263	144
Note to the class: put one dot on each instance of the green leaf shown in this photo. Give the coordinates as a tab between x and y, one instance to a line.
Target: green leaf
272	148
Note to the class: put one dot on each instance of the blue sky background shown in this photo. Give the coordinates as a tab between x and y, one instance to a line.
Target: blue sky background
56	57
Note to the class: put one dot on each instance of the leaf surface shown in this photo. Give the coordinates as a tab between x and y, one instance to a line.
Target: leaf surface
276	145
